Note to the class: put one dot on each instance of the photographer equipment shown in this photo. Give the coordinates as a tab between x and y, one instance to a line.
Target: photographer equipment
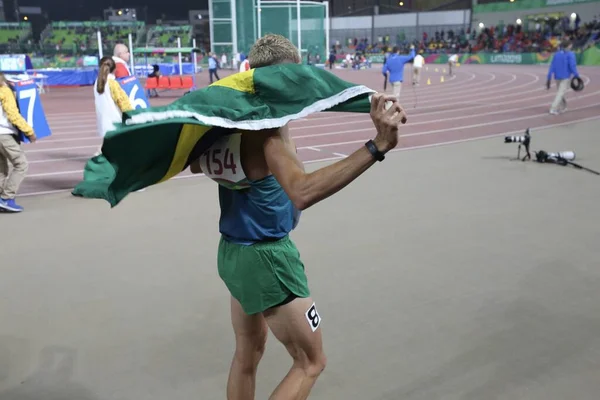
524	140
577	84
561	158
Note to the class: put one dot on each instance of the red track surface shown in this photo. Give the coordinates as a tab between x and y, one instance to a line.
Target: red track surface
478	101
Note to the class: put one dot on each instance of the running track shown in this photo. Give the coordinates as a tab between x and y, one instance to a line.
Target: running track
478	101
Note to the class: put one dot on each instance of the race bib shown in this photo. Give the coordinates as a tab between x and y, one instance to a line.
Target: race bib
222	163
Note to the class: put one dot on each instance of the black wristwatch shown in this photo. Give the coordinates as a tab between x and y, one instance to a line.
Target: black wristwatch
379	156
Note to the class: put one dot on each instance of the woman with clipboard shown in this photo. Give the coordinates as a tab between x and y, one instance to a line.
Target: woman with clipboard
11	122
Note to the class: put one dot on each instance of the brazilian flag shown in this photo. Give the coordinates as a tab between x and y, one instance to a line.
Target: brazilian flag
155	144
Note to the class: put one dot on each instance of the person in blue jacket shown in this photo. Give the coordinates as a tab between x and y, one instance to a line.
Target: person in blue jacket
394	65
563	65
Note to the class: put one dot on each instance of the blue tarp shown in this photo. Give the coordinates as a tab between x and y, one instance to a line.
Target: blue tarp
67	77
87	77
166	69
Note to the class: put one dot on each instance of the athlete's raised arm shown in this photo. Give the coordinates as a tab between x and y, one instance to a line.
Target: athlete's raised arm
306	189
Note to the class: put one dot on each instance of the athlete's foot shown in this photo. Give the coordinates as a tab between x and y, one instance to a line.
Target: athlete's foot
553	112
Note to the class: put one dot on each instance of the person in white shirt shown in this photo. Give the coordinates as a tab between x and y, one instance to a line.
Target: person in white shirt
349	60
111	103
245	65
110	99
452	62
418	63
224	60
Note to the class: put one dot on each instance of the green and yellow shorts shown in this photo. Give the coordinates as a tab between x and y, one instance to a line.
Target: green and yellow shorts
262	275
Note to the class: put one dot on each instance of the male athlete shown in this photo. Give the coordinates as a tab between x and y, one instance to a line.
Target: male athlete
260	195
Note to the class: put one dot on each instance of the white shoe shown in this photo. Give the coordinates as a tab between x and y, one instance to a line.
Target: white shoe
553	112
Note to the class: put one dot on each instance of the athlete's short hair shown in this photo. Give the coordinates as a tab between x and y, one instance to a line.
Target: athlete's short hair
272	49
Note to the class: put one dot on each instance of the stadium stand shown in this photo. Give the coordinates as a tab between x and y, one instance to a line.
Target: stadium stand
543	36
166	35
14	36
512	38
69	38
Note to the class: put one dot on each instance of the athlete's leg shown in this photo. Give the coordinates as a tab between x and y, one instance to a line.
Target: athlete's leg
297	326
250	339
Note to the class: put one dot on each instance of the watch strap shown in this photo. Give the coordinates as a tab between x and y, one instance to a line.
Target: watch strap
379	156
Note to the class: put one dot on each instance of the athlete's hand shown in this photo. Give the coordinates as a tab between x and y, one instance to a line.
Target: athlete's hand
32	138
387	114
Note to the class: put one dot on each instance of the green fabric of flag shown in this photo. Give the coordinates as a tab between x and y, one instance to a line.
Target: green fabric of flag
155	144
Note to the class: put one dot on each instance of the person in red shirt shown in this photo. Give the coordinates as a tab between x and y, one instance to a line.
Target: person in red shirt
121	58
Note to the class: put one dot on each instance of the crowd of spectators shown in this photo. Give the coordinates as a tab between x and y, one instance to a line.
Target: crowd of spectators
513	38
81	38
544	36
440	42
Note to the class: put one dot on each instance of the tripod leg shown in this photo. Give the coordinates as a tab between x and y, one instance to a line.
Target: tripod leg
578	166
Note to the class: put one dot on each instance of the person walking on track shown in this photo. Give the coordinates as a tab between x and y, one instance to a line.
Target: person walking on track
452	61
562	67
418	63
257	261
213	65
394	65
11	122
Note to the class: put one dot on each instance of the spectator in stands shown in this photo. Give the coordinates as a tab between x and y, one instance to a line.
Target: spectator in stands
563	65
11	122
394	65
111	103
212	67
121	58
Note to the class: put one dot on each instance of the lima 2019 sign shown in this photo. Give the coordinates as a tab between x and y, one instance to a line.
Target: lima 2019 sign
506	59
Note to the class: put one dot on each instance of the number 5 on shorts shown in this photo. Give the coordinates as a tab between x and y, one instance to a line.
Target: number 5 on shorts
313	318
